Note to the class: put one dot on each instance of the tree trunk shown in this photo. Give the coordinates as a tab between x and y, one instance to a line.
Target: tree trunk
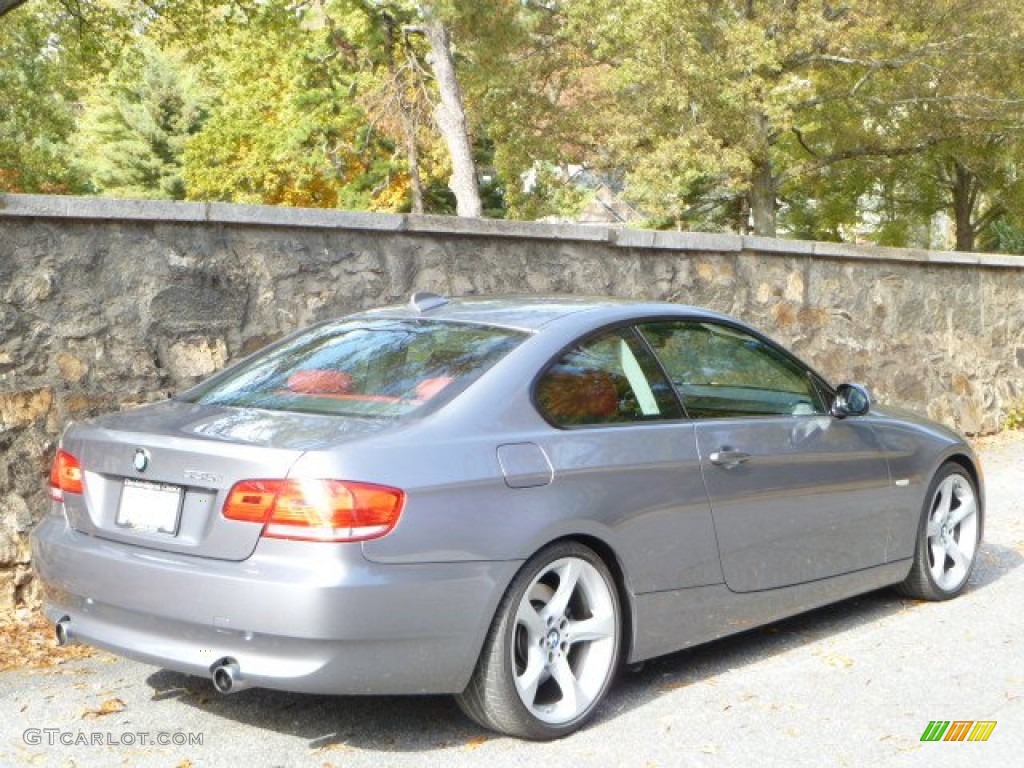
412	154
964	190
408	109
450	116
762	199
9	5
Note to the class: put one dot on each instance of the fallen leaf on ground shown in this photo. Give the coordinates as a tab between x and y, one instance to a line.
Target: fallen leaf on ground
673	686
27	642
108	707
836	660
908	748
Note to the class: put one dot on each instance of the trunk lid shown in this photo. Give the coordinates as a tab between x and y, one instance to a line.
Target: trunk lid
157	476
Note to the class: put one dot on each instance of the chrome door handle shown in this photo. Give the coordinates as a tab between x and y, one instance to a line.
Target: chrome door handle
728	458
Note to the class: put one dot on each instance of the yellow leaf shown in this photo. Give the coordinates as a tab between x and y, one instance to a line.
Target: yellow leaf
108	707
836	660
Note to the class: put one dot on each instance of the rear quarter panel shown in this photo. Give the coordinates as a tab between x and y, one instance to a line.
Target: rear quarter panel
638	489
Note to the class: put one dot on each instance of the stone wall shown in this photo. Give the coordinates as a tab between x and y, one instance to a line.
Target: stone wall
106	304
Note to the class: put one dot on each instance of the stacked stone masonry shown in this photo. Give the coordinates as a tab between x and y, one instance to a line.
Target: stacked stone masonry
107	304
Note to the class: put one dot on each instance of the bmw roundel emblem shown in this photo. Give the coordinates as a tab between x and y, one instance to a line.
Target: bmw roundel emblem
141	459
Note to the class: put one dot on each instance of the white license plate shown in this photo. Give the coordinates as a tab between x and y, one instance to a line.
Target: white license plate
152	507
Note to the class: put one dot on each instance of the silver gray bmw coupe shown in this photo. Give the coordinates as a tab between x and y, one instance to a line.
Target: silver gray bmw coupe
503	499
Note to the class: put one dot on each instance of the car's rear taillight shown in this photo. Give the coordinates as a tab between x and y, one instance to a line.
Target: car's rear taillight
316	510
65	475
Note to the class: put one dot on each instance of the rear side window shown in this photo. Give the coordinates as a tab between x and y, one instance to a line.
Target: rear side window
374	368
607	380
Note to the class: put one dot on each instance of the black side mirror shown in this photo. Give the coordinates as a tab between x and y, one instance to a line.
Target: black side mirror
851	400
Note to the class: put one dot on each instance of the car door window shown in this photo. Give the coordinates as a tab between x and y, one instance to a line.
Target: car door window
721	372
606	380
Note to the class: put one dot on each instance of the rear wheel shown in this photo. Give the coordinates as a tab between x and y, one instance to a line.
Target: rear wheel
553	647
948	537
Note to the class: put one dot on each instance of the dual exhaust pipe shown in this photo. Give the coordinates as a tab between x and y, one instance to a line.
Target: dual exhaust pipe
225	673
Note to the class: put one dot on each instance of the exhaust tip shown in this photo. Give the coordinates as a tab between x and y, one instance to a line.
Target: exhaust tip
62	631
226	676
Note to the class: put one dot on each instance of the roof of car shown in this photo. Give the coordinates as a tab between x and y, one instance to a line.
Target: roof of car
527	313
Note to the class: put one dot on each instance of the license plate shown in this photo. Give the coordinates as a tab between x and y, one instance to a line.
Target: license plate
150	507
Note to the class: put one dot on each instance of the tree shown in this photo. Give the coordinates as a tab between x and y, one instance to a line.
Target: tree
450	113
432	21
320	104
37	72
391	84
49	51
819	119
135	123
396	95
924	121
286	126
724	110
528	86
977	186
970	115
706	95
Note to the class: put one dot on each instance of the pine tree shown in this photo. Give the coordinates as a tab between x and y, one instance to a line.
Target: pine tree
135	125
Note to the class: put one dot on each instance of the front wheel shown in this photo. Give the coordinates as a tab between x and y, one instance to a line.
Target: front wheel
948	537
553	647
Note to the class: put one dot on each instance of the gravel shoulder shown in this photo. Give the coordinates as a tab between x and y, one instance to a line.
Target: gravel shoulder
853	684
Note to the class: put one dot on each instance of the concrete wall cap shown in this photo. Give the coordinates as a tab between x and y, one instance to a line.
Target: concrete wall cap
97	208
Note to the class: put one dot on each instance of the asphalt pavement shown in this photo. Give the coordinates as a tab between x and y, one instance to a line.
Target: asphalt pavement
854	684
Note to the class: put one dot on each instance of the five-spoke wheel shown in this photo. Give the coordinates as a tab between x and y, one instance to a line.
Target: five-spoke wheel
554	646
948	537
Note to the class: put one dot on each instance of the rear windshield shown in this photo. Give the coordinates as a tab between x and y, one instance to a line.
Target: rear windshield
372	368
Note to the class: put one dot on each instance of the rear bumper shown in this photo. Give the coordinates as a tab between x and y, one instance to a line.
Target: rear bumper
308	617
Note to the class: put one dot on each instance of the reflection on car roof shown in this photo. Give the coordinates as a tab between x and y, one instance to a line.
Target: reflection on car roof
524	313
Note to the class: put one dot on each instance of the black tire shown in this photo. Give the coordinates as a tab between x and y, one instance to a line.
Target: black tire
531	650
948	537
